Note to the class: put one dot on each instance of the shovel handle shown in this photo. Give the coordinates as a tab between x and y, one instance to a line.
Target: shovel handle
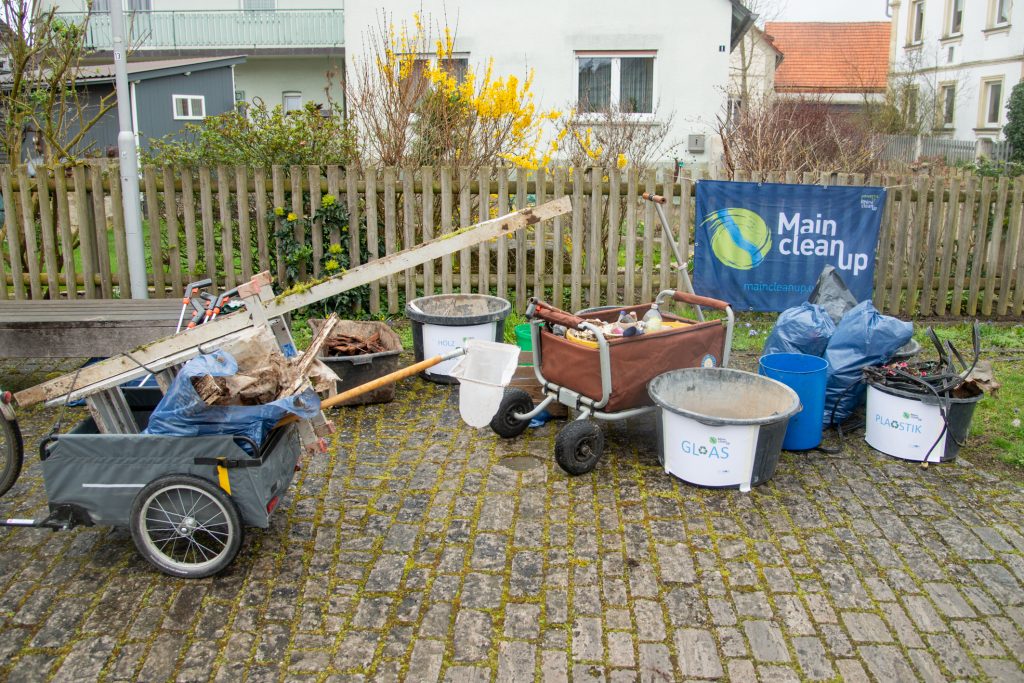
383	381
656	198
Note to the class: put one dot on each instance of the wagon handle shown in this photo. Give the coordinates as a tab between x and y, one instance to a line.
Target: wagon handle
697	300
542	310
656	198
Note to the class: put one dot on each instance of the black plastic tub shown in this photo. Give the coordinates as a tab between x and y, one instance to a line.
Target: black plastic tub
444	322
354	371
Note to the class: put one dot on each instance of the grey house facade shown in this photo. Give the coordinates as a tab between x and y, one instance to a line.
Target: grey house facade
164	97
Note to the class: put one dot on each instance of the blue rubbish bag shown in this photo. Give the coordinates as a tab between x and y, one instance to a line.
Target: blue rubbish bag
182	413
864	337
802	329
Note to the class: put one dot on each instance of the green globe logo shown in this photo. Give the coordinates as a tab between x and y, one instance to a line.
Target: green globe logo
739	237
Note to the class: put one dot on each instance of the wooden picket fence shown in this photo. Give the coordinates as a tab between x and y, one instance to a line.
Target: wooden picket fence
948	246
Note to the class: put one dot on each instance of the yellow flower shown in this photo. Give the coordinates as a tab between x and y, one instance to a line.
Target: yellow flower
278	210
621	161
331	265
334	249
328	200
291	216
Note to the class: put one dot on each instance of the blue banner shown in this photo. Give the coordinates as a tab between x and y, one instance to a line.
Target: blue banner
761	246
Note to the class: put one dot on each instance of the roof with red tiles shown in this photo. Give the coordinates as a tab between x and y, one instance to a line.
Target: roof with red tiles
831	57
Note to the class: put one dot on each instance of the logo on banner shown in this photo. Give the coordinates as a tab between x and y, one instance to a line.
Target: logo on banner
740	238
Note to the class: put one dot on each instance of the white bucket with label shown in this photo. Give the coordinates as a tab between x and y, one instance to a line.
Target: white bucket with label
722	427
445	322
910	426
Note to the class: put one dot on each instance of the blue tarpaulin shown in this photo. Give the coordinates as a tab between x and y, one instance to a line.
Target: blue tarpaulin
760	246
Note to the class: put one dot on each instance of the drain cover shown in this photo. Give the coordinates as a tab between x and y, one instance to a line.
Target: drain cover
520	463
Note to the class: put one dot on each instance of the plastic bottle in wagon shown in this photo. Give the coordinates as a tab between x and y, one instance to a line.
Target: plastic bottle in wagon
652	319
628	324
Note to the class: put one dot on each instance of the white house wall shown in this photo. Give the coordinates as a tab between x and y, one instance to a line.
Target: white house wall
270	77
691	38
977	54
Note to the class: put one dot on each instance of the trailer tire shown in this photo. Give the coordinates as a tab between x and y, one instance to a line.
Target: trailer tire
12	453
505	423
578	446
185	526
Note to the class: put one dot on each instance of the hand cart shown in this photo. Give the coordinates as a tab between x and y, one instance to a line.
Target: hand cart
187	499
607	379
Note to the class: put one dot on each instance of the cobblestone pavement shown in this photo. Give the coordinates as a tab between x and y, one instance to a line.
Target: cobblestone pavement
413	550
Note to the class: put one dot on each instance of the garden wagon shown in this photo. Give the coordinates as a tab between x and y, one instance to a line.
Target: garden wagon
186	500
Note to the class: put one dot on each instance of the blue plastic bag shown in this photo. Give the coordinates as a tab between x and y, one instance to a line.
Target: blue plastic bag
802	329
182	413
862	338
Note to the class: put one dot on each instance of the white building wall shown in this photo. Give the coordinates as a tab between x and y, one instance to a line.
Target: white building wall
270	77
979	53
691	39
760	59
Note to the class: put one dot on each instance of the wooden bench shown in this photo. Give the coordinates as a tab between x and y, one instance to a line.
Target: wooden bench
83	328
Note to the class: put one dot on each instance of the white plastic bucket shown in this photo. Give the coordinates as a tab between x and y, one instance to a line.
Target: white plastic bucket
443	322
483	374
910	426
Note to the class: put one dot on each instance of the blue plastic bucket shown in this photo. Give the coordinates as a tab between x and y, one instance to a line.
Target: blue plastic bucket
806	375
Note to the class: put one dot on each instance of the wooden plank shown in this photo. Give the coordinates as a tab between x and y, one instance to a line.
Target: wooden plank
446	227
206	209
1013	242
409	228
13	234
355	256
502	263
963	245
483	268
67	243
155	232
262	232
86	232
521	241
410	258
995	241
540	248
372	232
173	241
334	189
980	250
277	181
576	267
46	229
124	280
227	223
244	232
915	238
390	234
427	178
1018	293
685	232
632	194
665	265
188	220
948	245
298	229
100	232
930	269
465	257
315	225
650	221
614	229
594	246
897	262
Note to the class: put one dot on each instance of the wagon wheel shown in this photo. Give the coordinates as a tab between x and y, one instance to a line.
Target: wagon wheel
11	453
186	526
578	446
505	423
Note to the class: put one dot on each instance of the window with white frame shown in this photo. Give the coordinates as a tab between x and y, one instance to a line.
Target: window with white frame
415	84
259	4
916	22
610	81
954	17
291	100
101	6
991	102
947	100
999	13
189	107
140	5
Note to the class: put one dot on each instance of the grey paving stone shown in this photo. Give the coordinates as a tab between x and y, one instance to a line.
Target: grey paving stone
948	600
924	615
978	638
516	661
650	624
948	650
864	627
925	665
522	620
731	642
620	649
427	658
742	671
554	666
698	654
851	671
675	563
886	663
656	663
1002	670
783	674
472	638
766	641
813	661
586	639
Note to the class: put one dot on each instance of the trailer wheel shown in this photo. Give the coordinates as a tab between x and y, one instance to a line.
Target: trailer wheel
578	446
186	526
12	451
505	423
